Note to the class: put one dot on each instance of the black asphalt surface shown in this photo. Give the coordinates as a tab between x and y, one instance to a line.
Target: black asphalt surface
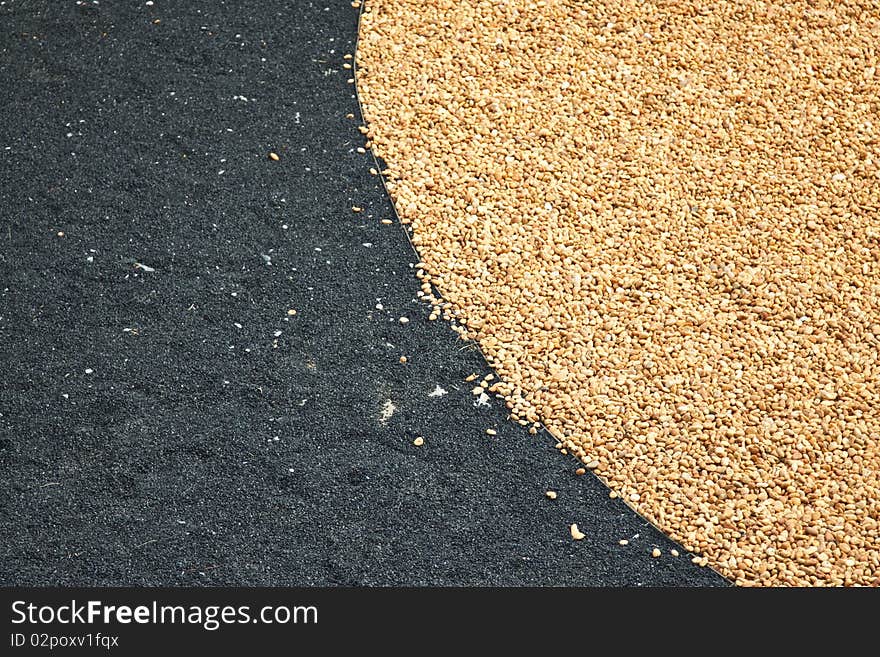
163	420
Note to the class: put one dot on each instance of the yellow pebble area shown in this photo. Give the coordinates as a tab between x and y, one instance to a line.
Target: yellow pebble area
661	222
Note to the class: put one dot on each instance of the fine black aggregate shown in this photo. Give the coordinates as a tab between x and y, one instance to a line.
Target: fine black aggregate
163	420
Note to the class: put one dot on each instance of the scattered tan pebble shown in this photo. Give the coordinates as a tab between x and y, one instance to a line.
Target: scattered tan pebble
655	552
346	66
623	541
432	316
470	377
346	56
349	115
60	233
491	432
387	222
274	156
404	320
673	552
580	471
403	359
356	3
361	150
350	80
576	533
551	494
356	208
373	171
419	441
478	390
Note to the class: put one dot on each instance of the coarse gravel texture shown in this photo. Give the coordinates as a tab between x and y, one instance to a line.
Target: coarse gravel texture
165	419
660	222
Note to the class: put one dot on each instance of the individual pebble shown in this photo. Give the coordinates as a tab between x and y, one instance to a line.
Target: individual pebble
576	533
419	441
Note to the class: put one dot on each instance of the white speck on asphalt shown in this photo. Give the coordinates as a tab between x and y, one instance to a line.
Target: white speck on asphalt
482	400
388	409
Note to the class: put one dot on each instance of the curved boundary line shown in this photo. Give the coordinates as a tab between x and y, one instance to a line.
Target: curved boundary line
378	167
